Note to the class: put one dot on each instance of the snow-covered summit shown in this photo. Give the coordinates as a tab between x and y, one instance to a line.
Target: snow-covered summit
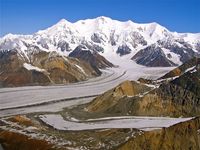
107	35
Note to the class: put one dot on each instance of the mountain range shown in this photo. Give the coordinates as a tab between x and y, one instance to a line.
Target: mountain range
93	41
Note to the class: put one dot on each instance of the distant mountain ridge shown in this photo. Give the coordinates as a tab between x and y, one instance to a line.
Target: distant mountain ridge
104	35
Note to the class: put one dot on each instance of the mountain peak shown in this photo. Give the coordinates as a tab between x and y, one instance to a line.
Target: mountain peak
60	26
103	19
63	22
9	35
155	25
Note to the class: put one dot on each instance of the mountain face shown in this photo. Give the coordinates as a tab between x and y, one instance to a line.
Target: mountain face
152	56
147	44
92	57
184	88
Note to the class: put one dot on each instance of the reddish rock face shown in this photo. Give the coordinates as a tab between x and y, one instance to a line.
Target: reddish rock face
24	77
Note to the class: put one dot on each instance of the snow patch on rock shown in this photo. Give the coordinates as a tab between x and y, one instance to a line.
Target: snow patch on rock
31	67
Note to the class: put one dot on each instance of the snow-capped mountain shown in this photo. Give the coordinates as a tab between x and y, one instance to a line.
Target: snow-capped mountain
144	43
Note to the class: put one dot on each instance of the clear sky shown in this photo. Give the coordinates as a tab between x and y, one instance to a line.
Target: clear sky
29	16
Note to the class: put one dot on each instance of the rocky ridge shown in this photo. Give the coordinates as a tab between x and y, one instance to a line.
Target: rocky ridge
42	68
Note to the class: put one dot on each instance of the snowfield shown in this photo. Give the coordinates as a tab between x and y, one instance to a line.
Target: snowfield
141	123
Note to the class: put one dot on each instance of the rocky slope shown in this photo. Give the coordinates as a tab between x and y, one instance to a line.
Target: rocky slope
152	56
182	136
92	57
190	64
112	37
42	68
165	53
114	96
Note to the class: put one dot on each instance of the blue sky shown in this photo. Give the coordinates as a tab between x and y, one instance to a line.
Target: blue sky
29	16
